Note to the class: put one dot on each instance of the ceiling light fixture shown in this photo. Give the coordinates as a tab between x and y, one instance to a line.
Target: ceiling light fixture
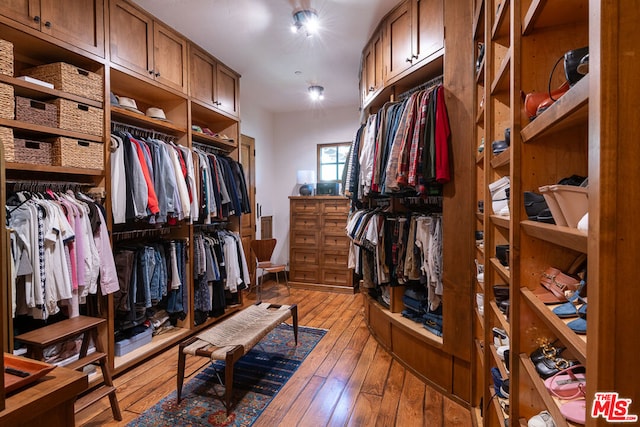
305	20
316	92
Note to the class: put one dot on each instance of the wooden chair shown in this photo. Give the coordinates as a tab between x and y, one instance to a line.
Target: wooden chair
263	251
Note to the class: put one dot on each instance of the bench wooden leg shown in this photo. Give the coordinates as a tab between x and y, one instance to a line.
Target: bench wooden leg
232	357
294	315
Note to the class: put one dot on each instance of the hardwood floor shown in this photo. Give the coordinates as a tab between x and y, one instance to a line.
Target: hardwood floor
348	379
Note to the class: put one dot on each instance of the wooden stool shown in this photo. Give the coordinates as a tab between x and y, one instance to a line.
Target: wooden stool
232	338
39	339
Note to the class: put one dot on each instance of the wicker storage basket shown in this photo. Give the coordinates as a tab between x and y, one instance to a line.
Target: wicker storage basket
76	153
36	112
6	101
6	58
32	152
69	78
79	117
6	136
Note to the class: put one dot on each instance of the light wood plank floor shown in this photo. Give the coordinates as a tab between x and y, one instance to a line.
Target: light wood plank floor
348	379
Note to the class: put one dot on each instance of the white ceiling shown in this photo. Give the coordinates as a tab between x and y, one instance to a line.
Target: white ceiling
253	37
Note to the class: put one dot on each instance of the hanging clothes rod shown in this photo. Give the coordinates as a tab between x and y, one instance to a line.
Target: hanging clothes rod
29	185
213	226
209	148
422	86
134	234
144	132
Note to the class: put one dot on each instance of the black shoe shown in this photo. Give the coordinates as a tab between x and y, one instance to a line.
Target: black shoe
504	388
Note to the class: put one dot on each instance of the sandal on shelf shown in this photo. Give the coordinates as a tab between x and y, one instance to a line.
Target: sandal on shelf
579	325
568	383
570	308
555	284
574	410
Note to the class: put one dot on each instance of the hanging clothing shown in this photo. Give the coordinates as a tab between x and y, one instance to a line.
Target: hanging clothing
404	146
56	254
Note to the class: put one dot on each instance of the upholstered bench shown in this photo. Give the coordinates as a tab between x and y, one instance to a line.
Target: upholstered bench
232	338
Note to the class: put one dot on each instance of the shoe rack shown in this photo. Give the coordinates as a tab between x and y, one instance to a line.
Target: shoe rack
493	108
478	359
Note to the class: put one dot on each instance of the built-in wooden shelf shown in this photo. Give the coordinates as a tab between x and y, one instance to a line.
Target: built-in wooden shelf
11	166
158	343
500	83
502	319
203	138
567	237
36	91
498	362
501	160
501	25
568	111
480	116
496	406
478	21
137	119
480	73
538	383
39	131
576	343
501	269
560	13
501	221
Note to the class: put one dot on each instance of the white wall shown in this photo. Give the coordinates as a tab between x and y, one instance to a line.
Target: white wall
286	143
258	124
295	145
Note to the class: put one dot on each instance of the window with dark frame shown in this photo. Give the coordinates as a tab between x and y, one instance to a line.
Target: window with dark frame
331	161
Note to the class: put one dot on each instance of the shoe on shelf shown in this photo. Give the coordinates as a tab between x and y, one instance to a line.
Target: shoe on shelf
504	388
543	419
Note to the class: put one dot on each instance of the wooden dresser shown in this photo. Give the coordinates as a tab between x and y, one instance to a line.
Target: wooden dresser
318	245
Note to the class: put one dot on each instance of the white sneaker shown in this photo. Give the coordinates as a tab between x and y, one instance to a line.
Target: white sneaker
543	419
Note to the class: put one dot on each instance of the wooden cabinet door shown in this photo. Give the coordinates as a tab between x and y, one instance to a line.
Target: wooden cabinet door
398	49
428	24
227	93
373	68
202	69
78	22
131	34
26	12
169	57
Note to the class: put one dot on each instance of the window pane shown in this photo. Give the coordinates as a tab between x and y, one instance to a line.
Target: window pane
343	150
328	173
328	155
340	169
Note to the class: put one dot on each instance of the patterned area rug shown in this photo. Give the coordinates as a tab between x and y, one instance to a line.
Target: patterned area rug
259	376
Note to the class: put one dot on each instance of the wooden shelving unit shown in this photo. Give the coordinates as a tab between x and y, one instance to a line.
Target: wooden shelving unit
182	111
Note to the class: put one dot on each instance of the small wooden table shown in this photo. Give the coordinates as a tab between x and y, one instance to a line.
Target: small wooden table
37	340
47	402
232	338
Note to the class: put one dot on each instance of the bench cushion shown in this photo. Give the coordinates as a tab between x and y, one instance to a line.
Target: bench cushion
245	329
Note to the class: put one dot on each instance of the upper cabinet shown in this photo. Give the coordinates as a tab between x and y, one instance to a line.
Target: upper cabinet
77	22
147	47
414	31
213	83
398	55
428	23
372	78
227	96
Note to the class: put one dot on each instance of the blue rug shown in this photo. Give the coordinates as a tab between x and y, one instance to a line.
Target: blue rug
259	376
